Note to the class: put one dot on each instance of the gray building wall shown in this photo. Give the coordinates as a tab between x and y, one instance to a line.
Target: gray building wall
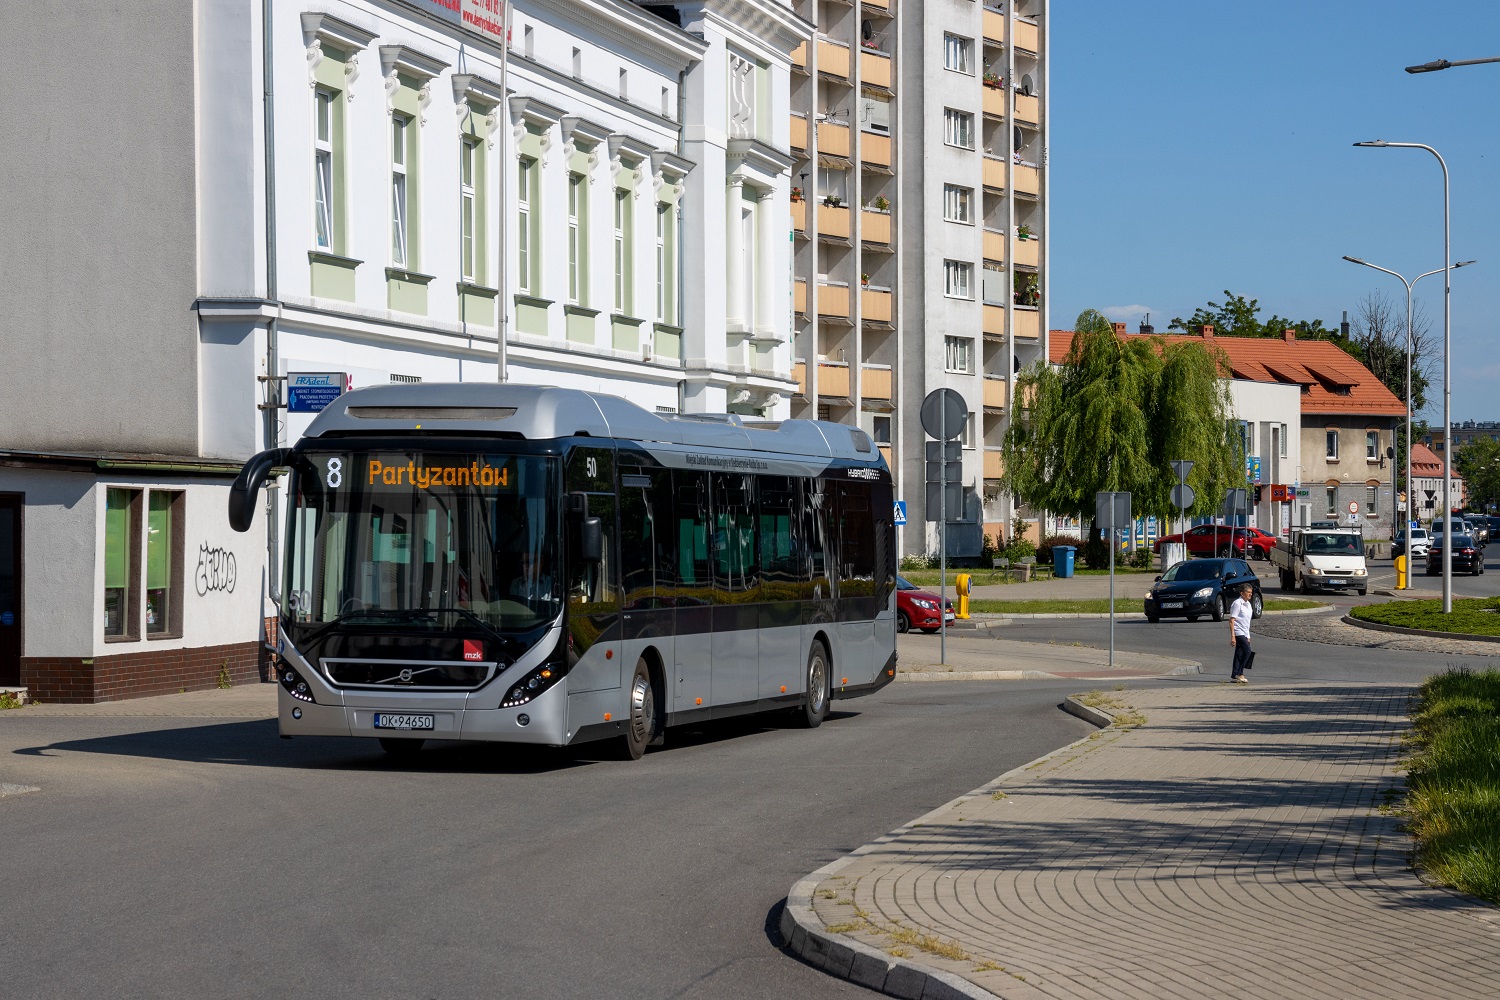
99	230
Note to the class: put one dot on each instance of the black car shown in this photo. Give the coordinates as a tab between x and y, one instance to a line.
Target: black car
1468	555
1201	587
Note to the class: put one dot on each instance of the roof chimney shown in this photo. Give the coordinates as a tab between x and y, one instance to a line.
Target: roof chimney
1207	331
1290	336
1119	329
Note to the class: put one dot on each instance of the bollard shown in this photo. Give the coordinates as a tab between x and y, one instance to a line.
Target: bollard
1401	572
962	586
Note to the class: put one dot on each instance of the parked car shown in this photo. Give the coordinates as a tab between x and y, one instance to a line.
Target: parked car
1468	555
1221	540
1420	541
918	608
1459	526
1201	587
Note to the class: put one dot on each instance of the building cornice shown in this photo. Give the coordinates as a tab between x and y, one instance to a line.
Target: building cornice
758	156
335	31
629	25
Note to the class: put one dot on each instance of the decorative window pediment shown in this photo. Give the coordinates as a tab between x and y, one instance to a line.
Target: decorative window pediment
481	97
346	37
397	61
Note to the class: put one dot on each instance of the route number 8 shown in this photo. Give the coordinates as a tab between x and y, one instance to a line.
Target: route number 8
335	473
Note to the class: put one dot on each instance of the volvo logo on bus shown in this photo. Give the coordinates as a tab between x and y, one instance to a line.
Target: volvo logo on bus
405	675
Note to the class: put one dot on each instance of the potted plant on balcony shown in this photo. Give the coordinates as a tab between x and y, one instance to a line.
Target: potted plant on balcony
833	201
1023	232
796	194
864	279
870	43
882	203
993	81
1028	290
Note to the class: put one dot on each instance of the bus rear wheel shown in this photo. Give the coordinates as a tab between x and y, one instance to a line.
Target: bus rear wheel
640	725
819	680
400	748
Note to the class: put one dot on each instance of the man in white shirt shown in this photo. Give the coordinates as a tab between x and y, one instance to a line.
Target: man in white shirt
1240	613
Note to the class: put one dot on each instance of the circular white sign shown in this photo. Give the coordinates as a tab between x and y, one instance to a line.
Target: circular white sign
1354	506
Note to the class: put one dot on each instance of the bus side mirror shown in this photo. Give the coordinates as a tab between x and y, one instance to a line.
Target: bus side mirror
591	540
245	489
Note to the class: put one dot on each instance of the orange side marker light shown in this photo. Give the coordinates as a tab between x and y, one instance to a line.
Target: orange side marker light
783	689
606	716
846	680
609	654
700	701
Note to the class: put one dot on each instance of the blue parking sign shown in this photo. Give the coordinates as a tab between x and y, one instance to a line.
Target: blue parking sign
900	515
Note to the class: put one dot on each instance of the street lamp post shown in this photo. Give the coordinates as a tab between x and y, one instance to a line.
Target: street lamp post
1410	493
1447	368
1437	64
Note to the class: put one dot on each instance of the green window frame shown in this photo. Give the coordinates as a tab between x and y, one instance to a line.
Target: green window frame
164	575
122	577
624	259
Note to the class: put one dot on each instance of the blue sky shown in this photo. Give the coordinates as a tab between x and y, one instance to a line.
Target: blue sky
1199	145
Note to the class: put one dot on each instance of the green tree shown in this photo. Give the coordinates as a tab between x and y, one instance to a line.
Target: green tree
1478	462
1240	317
1114	415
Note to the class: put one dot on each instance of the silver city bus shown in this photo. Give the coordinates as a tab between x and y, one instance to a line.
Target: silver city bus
543	565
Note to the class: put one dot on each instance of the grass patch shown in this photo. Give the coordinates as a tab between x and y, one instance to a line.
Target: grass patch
1292	604
930	943
1090	606
1471	616
9	701
846	928
1453	781
994	578
1099	699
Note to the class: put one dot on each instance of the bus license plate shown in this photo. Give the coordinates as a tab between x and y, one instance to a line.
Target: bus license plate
385	720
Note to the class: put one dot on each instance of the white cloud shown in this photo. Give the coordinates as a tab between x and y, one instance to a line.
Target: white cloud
1127	314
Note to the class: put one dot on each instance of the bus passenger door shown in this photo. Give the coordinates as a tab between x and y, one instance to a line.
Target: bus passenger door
779	637
736	614
593	591
692	594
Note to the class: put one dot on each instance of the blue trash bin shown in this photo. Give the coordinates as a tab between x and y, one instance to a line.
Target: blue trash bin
1062	560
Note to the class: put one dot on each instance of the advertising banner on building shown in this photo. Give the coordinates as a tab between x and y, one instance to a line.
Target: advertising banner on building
483	17
311	392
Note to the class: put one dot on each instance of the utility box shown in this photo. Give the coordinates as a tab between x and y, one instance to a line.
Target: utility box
1172	553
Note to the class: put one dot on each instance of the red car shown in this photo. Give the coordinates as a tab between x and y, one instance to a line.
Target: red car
917	608
1223	541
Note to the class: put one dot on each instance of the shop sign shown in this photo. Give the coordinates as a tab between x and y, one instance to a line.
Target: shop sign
311	392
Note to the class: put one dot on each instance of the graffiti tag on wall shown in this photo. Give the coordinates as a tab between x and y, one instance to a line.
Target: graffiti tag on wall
216	570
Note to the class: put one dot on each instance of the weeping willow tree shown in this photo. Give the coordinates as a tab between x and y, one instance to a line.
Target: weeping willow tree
1114	415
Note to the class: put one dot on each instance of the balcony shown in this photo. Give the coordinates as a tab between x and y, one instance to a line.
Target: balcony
994	468
833	301
799	216
994	245
1028	109
1028	180
833	59
833	380
994	172
994	102
994	392
799	57
1026	36
799	295
994	26
878	6
885	449
1028	252
833	221
874	69
1027	323
799	375
875	149
874	226
833	139
994	321
799	131
875	382
875	304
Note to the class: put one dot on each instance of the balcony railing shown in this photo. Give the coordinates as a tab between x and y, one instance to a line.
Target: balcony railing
874	68
799	295
833	300
994	26
994	392
1027	324
1028	109
1026	35
994	172
994	468
1028	252
799	216
833	221
833	139
875	382
885	449
799	131
875	304
994	320
833	378
875	227
799	375
875	149
994	102
994	245
884	6
1028	179
833	59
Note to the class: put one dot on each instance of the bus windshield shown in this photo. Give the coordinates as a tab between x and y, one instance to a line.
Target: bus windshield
415	539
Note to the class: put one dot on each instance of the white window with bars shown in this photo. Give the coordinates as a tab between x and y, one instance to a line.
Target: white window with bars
958	279
958	53
958	128
958	204
958	353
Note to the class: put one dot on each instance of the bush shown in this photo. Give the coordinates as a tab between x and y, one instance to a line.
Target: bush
1020	548
910	564
1044	550
1141	557
1095	553
988	551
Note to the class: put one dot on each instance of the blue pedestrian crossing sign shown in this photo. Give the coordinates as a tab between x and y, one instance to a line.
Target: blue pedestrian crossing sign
900	516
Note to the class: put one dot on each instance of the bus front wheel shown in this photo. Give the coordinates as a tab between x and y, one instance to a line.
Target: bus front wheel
640	727
819	689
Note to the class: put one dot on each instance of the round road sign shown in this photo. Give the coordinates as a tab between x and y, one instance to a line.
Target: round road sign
944	414
1354	506
1183	496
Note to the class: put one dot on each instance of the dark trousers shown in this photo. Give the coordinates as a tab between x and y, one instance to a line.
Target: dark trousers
1241	655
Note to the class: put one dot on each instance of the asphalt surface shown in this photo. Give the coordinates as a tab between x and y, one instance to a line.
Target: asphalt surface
202	858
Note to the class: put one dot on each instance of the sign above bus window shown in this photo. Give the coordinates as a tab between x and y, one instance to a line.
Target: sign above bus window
311	392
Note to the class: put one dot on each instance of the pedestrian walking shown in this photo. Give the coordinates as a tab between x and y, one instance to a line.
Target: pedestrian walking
1240	613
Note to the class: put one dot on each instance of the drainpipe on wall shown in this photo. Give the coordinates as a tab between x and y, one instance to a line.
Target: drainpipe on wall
273	352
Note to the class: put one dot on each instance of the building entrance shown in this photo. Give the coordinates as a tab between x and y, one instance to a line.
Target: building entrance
10	590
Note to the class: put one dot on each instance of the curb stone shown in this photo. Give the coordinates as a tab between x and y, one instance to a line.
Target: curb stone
1032	675
807	937
1402	630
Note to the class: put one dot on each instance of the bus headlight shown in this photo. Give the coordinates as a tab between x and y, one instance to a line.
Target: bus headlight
294	684
554	669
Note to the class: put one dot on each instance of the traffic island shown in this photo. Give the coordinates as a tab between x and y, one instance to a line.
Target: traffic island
1474	619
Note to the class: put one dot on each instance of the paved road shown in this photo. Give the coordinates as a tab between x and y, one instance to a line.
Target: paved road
205	857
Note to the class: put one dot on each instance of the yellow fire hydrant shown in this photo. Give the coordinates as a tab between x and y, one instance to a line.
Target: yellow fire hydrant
962	586
1401	572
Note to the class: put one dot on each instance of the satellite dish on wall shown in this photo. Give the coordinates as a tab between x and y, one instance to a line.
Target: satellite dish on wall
867	30
1026	84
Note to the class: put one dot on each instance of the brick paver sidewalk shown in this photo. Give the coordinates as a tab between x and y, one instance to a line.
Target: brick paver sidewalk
1234	846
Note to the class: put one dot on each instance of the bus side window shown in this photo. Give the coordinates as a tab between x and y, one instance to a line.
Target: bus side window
779	569
648	544
856	536
881	500
735	570
812	534
694	570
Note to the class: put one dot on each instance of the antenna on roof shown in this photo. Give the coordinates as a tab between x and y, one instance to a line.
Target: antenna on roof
1146	326
1344	326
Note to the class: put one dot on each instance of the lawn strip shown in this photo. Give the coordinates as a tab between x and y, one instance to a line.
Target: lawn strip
1471	616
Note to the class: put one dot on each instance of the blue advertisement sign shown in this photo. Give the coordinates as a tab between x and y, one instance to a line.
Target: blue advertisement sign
1252	469
311	392
900	516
